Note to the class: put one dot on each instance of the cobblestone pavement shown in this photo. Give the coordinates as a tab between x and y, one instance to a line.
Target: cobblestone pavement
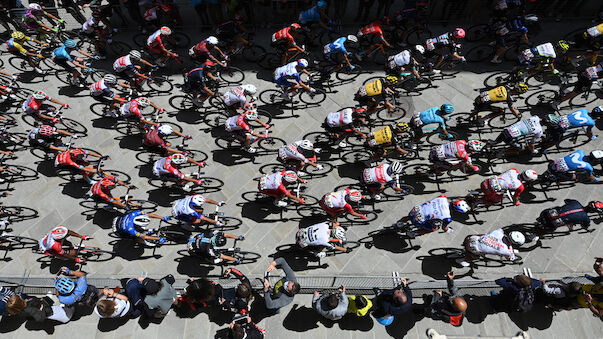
59	201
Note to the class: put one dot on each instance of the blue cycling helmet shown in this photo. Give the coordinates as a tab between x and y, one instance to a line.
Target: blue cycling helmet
386	321
447	108
322	4
64	285
70	43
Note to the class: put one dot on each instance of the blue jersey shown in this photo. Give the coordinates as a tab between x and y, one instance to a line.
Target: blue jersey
579	118
62	53
335	47
309	16
125	224
517	25
432	116
571	163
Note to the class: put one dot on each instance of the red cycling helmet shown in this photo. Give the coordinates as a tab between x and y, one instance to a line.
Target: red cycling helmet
458	33
295	26
209	64
360	111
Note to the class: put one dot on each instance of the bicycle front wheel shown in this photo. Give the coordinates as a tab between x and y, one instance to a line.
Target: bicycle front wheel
232	75
313	98
161	84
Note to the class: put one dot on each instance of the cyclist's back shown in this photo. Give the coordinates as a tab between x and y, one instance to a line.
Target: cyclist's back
572	213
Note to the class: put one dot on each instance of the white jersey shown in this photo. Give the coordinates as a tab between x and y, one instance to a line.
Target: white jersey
183	206
437	208
46	243
341	118
291	152
491	243
286	70
445	151
98	87
336	200
159	167
271	181
315	235
90	25
377	175
529	126
122	63
402	58
235	96
509	180
151	39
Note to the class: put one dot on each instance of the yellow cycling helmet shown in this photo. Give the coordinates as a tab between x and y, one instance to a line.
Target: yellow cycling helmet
17	35
392	80
563	45
522	87
402	127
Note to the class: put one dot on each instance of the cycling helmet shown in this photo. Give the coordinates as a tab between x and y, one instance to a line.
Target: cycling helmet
295	26
251	114
96	12
360	111
522	87
475	145
597	110
218	240
143	102
447	108
354	196
35	7
165	30
461	206
165	130
142	220
339	233
306	145
178	158
303	63
249	89
59	233
209	65
420	49
70	43
39	95
385	20
517	238
238	17
111	179
46	130
458	33
135	55
212	40
197	200
551	119
322	4
290	177
64	285
110	79
353	39
396	167
402	127
563	45
18	35
392	80
529	175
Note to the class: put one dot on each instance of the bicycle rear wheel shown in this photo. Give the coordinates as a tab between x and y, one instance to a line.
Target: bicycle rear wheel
253	53
272	97
346	74
72	126
313	98
232	75
161	84
17	213
124	177
96	254
271	144
134	204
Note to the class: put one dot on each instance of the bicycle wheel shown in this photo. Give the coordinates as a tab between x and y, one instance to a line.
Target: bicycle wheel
313	98
198	156
543	97
139	204
124	177
477	33
15	173
181	102
370	217
98	74
418	36
272	97
232	75
479	53
209	183
271	144
313	171
215	119
504	120
347	74
270	61
394	115
406	190
247	257
586	98
497	79
161	84
450	68
573	141
119	48
17	213
253	53
271	168
72	126
179	40
264	116
18	242
537	80
319	139
356	156
95	254
20	64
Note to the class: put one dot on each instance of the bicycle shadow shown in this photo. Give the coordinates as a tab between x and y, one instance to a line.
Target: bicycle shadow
192	267
297	258
130	250
388	239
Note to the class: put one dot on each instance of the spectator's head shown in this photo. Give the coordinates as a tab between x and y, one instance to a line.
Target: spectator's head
105	307
200	290
332	301
573	289
523	280
244	290
400	297
361	302
15	305
238	332
292	288
459	304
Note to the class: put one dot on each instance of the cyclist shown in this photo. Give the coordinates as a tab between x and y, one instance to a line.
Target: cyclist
132	225
6	90
434	115
557	125
586	78
507	8
101	189
196	82
485	99
201	52
35	103
294	155
167	168
315	16
405	60
190	210
572	213
542	56
321	236
337	54
231	32
47	138
76	158
510	180
275	185
32	20
157	48
155	135
444	46
495	242
591	40
337	203
444	157
239	127
373	32
284	40
387	139
342	123
371	94
125	67
567	167
154	14
93	30
512	134
205	244
101	91
52	244
236	97
287	77
132	109
376	179
433	214
15	46
62	57
502	30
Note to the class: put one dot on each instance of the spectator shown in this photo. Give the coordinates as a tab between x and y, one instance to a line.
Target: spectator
598	269
332	306
245	329
560	295
160	297
38	309
70	292
200	292
359	305
517	294
135	292
5	294
364	8
591	298
284	290
236	299
447	307
392	302
112	304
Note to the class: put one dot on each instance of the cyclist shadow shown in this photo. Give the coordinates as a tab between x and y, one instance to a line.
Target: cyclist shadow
260	210
164	196
73	91
192	266
75	189
130	250
297	258
437	265
352	171
390	240
131	142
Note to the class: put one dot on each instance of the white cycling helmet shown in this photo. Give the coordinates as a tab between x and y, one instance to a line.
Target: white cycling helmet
134	54
251	114
212	40
305	144
475	145
396	167
143	102
517	238
59	232
529	175
110	79
461	206
38	95
290	177
35	7
142	220
197	200
165	130
339	233
420	49
352	38
178	158
355	196
303	63
249	89
165	30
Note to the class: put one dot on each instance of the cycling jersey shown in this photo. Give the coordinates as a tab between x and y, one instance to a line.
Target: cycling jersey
125	226
99	88
201	245
154	40
235	97
435	209
291	152
195	79
430	116
200	50
91	25
541	53
284	35
272	184
498	94
165	166
237	123
36	139
131	108
572	213
123	63
62	54
50	246
311	15
374	89
450	150
383	137
592	72
373	28
65	158
184	211
595	31
579	118
284	74
315	235
509	180
399	60
341	118
335	47
378	175
441	41
150	14
30	20
335	202
152	138
493	242
32	105
529	126
102	189
571	163
17	46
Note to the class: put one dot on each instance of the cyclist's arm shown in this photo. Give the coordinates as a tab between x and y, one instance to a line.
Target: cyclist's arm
74	234
211	76
230	236
57	101
48	15
63	132
146	63
200	164
54	148
220	51
347	60
85	53
209	91
301	83
385	42
291	196
123	85
261	122
227	257
212	202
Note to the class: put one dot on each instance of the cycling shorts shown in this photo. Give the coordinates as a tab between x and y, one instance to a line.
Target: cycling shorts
189	218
